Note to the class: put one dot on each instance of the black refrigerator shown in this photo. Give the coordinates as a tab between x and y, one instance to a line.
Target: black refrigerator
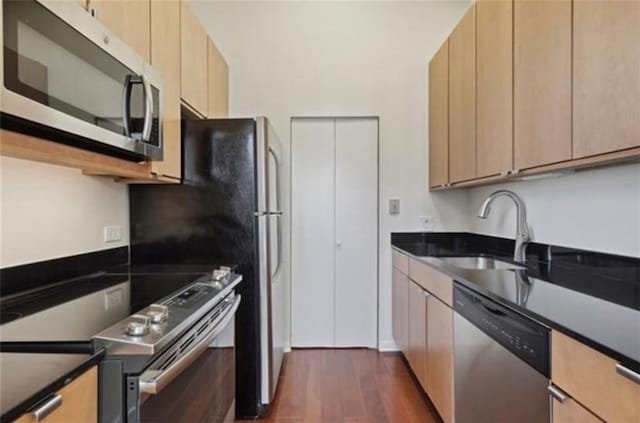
226	210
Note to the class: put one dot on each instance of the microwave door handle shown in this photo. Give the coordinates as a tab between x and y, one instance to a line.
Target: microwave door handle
148	109
153	382
126	104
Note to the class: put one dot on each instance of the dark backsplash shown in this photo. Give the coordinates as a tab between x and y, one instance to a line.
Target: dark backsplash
21	278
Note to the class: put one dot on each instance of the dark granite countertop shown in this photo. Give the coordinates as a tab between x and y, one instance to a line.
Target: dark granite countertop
593	297
26	379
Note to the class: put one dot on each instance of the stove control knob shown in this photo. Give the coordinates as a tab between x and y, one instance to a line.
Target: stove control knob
138	325
158	313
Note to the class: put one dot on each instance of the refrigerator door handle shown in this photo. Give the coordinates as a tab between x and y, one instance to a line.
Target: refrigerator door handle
261	213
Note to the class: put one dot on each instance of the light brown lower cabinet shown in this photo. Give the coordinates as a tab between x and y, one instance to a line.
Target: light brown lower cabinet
594	379
418	332
440	357
78	402
567	410
400	309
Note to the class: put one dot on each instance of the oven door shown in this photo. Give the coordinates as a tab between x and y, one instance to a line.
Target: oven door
67	77
199	386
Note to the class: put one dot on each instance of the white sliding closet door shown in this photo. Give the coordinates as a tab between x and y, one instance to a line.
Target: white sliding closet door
356	232
334	232
312	244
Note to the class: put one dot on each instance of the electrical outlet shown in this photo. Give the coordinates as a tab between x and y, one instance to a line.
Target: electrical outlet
113	299
112	233
428	223
394	206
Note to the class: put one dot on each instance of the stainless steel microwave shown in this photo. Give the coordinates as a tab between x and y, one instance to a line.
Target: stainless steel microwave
65	74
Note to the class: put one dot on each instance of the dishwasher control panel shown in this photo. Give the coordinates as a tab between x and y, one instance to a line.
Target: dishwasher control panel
525	338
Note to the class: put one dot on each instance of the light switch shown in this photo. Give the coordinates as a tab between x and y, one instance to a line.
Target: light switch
112	233
394	206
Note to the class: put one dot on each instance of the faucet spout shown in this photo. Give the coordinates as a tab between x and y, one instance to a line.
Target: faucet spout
522	227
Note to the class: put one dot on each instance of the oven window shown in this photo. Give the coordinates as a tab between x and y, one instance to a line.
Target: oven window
205	392
48	61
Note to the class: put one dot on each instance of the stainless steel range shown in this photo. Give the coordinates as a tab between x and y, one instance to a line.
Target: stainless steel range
185	339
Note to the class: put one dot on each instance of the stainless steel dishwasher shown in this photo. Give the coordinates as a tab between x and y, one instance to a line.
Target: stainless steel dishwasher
501	363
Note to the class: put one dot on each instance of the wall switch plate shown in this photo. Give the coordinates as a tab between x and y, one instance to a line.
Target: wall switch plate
428	223
113	299
112	233
394	206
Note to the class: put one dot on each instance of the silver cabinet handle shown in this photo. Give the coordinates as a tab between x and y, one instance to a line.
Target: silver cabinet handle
557	393
628	373
154	381
49	406
148	109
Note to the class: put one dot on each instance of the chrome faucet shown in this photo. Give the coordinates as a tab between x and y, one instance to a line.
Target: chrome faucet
522	229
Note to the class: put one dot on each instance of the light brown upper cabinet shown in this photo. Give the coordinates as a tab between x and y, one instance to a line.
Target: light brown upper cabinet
494	34
130	20
439	117
606	76
542	82
82	3
462	99
165	56
218	83
194	50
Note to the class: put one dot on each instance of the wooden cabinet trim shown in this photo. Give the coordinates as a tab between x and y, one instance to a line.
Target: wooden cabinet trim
600	389
218	74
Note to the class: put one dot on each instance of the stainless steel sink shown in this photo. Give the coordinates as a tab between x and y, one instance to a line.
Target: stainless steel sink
479	263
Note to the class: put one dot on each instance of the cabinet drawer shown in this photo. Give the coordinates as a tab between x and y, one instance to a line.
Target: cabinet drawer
591	378
78	402
569	411
433	281
400	262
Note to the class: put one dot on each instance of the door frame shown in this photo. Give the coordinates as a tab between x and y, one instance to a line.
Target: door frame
291	146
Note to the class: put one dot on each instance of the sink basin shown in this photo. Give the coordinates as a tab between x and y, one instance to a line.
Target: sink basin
479	263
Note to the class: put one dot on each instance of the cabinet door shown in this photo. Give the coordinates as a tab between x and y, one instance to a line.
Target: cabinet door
400	312
218	83
495	86
79	402
439	117
542	82
194	51
440	357
462	99
606	76
418	332
130	20
165	56
569	411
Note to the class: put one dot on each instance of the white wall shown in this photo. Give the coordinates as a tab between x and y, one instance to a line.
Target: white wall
51	211
596	209
346	59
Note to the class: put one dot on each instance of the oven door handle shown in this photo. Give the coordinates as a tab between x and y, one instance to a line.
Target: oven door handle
153	381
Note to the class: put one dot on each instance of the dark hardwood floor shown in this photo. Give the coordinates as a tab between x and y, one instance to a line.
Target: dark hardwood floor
347	385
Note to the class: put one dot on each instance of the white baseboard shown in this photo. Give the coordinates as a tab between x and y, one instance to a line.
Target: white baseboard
385	346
